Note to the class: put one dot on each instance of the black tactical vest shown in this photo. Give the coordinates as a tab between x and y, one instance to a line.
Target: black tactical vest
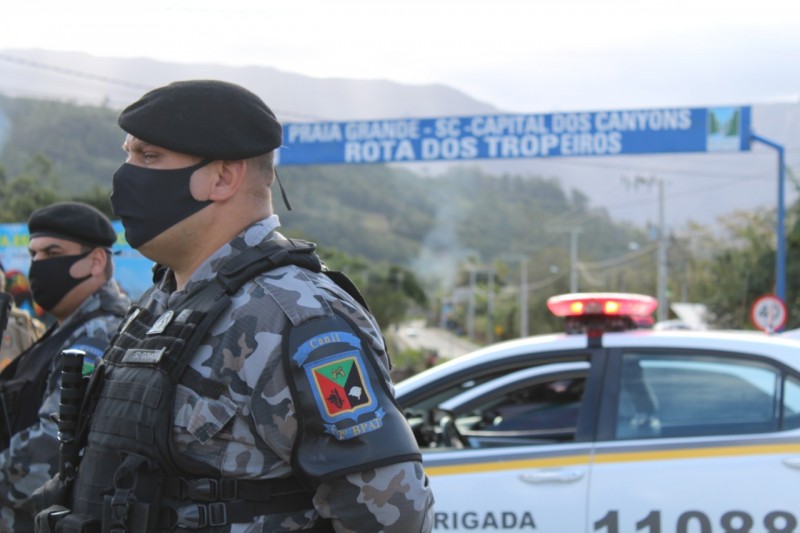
129	475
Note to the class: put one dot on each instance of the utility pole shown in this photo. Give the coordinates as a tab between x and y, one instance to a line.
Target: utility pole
663	244
662	256
573	258
490	307
523	290
523	297
471	306
573	253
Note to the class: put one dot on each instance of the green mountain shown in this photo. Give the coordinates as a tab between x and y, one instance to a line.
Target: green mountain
82	142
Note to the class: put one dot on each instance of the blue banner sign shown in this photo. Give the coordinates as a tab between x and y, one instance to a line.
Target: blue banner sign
592	133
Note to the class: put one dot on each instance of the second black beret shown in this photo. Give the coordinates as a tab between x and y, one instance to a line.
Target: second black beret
73	221
207	118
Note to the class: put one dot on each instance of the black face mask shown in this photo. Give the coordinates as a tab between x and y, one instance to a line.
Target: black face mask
150	201
51	281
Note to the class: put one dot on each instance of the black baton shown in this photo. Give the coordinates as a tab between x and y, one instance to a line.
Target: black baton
72	385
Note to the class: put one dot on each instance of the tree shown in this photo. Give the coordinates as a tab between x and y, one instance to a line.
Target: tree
390	290
35	187
738	268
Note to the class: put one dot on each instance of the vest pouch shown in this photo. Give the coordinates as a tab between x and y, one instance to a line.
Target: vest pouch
132	517
73	523
134	502
45	521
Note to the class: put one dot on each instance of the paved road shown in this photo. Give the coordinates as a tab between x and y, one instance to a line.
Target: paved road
414	335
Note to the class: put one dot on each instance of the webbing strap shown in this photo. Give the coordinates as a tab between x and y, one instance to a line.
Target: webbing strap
211	489
266	256
216	502
198	516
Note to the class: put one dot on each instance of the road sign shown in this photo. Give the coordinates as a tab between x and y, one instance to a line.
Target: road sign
523	136
768	313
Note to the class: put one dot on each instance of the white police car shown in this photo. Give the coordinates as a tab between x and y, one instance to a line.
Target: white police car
614	430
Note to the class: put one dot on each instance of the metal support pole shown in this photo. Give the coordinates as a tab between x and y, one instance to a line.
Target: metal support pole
780	254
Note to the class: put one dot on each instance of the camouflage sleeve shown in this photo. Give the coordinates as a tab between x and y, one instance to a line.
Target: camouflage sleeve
32	456
391	499
29	461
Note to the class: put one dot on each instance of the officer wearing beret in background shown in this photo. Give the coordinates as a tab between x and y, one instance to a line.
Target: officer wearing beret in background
249	388
71	277
21	330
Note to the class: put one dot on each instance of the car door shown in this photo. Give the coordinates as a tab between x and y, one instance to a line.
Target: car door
696	442
514	452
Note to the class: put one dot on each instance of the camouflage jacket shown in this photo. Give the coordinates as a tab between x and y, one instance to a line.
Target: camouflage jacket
250	431
32	456
22	331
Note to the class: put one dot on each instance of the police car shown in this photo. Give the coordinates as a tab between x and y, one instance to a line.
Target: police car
613	427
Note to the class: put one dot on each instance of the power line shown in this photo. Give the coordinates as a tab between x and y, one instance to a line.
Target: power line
72	72
114	81
690	192
616	261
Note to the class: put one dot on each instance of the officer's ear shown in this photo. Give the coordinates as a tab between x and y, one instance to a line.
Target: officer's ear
99	257
228	179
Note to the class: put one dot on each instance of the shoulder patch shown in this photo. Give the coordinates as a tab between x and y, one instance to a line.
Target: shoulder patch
340	384
347	417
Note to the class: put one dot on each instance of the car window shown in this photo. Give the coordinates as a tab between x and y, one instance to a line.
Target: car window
425	418
422	406
791	403
680	396
536	405
542	412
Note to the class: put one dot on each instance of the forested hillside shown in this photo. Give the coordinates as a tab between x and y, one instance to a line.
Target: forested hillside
378	212
82	142
392	227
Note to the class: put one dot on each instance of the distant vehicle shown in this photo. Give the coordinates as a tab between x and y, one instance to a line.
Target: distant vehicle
613	427
671	324
411	331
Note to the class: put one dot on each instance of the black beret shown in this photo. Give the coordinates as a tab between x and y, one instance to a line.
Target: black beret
207	118
73	221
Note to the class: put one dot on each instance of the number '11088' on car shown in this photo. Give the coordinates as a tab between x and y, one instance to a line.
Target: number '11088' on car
614	427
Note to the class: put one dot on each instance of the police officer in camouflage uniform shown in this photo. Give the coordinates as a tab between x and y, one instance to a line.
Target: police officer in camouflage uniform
249	388
21	331
71	277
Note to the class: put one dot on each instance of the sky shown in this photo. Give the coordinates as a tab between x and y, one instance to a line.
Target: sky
521	56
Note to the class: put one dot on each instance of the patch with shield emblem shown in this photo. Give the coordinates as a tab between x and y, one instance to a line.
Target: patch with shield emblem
339	386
